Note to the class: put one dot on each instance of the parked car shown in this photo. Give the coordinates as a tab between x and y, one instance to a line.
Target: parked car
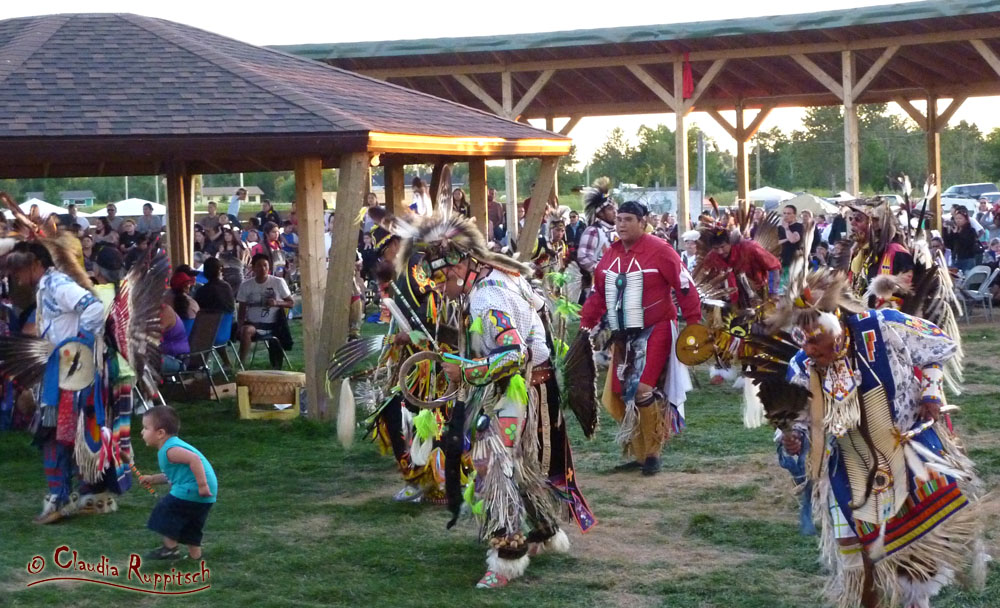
966	195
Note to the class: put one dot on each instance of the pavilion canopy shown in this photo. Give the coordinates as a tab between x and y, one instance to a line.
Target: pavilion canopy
811	202
767	194
148	93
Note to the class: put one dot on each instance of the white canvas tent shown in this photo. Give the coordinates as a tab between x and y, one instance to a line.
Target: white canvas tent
769	196
813	203
45	209
843	197
131	207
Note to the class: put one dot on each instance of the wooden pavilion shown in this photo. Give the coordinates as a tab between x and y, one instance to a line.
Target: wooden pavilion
121	94
927	51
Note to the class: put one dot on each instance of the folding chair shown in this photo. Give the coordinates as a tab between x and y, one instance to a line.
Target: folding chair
202	345
224	338
146	404
268	339
976	289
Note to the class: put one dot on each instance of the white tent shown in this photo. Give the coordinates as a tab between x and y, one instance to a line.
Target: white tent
45	209
843	197
769	194
131	207
813	203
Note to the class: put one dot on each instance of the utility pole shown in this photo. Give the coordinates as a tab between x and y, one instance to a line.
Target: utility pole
758	161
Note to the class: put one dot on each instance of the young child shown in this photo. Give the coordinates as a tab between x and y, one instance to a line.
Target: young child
180	515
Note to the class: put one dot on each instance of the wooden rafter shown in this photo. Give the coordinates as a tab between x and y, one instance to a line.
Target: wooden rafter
480	93
705	82
653	85
987	53
873	71
570	124
820	75
532	92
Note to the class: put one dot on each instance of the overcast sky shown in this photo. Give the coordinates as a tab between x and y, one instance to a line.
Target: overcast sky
316	21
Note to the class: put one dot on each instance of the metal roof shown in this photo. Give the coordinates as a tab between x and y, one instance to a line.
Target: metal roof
590	74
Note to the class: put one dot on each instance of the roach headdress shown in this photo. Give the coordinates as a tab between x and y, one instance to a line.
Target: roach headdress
597	197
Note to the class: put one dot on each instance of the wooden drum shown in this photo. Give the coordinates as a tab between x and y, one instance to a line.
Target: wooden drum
268	387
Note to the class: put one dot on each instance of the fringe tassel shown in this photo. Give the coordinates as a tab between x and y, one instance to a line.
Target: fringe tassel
503	501
91	464
842	415
629	426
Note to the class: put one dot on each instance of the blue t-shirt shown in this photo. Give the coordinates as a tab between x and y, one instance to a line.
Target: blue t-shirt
182	482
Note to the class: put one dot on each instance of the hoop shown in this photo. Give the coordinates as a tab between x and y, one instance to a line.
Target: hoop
404	371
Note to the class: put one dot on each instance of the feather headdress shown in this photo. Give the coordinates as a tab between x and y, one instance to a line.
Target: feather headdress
812	298
445	236
596	197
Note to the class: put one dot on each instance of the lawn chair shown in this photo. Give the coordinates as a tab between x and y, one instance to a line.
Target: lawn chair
202	345
224	338
268	339
975	288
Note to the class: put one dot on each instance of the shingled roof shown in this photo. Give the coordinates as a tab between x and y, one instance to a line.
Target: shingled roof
121	92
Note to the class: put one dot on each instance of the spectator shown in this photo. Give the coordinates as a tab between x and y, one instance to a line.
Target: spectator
113	219
74	219
422	204
87	245
689	257
103	231
179	296
251	237
213	240
234	204
985	218
807	216
789	236
992	256
137	252
199	239
937	247
267	213
35	215
495	212
212	219
127	236
290	240
963	241
371	203
459	204
271	247
821	257
234	256
262	302
149	223
837	228
216	295
174	342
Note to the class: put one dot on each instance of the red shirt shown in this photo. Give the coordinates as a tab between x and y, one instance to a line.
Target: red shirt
747	257
662	272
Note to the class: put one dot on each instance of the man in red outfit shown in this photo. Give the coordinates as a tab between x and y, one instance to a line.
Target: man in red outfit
632	285
731	253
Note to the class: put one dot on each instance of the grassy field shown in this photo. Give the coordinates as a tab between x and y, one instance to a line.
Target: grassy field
302	522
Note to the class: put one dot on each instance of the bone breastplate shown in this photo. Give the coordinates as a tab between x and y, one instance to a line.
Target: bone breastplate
623	294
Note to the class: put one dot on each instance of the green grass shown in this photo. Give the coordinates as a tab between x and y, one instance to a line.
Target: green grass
302	522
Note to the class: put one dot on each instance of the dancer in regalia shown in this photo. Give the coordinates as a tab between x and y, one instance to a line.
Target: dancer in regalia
634	289
508	400
894	491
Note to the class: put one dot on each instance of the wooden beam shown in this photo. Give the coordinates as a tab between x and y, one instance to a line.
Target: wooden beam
933	135
570	124
681	153
758	120
748	52
705	82
480	93
395	188
539	201
532	92
722	122
477	194
340	270
852	172
944	117
917	116
819	74
742	158
311	261
651	83
873	71
987	53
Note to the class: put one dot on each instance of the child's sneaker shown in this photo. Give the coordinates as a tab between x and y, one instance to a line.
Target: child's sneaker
164	552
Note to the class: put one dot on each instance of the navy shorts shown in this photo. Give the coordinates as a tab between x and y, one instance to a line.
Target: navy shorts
179	519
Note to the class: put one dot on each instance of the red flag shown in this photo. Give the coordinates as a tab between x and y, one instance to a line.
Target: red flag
688	88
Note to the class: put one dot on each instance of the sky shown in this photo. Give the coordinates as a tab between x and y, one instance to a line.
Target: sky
315	21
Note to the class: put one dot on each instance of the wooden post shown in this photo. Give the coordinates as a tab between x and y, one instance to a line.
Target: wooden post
395	188
509	168
852	174
477	194
340	270
550	125
681	151
180	247
934	159
311	262
742	157
539	201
